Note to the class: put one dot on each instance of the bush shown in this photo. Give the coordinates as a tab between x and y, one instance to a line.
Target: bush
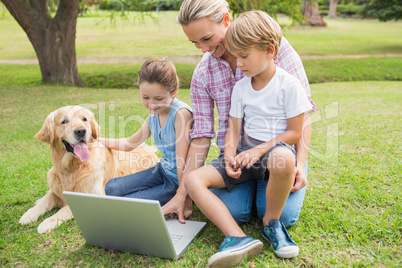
349	9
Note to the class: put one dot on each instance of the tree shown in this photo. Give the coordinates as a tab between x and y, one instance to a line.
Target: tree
272	7
332	8
311	12
384	10
53	39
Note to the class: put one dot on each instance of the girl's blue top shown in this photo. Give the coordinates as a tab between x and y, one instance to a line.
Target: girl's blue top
165	138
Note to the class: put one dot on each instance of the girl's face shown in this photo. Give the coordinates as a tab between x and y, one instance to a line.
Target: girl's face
208	35
155	97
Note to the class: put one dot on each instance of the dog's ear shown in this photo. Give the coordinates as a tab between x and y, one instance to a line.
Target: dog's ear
46	133
95	128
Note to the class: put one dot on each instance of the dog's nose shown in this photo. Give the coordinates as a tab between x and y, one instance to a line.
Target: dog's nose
80	132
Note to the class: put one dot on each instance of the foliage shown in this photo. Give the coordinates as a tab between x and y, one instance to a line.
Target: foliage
383	10
348	9
272	7
143	5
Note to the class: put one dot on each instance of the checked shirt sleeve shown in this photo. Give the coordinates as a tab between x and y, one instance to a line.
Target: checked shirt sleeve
203	108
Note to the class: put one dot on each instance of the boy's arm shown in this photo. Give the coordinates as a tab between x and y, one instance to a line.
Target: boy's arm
291	136
128	144
231	142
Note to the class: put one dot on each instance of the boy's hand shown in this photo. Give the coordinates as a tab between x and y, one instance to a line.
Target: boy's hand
248	158
232	168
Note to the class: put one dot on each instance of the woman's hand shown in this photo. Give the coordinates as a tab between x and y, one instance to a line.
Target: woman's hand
300	180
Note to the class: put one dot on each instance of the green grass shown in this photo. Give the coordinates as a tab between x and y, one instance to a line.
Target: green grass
97	37
352	215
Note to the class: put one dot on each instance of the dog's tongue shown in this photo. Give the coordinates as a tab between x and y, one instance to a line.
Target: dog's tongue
81	150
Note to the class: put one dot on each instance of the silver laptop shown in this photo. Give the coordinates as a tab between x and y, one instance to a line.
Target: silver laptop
130	224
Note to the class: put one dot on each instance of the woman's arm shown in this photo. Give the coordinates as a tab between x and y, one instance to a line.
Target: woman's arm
128	144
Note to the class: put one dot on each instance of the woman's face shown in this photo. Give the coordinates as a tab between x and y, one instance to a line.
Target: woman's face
207	35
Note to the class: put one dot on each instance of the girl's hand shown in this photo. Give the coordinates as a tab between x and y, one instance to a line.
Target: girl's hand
248	158
232	168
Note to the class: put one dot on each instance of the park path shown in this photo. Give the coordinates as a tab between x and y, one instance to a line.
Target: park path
194	59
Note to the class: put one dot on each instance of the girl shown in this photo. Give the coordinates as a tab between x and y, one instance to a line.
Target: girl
169	123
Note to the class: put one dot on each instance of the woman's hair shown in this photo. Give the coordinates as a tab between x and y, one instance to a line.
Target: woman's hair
192	10
159	71
253	29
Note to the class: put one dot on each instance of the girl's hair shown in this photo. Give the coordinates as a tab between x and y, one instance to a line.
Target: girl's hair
192	10
253	29
159	71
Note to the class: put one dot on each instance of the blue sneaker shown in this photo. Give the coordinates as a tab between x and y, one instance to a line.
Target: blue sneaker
234	249
284	247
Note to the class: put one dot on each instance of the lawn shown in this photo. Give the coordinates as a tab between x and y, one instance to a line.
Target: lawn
97	37
352	212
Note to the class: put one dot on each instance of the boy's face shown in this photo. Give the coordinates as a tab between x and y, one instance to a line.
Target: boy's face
254	62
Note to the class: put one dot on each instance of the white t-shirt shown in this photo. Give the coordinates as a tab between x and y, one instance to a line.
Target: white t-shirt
265	112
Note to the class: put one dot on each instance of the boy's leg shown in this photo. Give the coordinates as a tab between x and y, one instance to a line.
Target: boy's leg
281	166
197	184
236	245
293	205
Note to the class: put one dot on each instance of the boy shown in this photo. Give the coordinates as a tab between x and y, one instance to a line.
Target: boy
272	104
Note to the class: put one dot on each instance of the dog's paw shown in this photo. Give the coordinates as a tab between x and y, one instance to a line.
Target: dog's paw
49	224
28	217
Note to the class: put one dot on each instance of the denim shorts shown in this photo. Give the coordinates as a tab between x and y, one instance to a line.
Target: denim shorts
257	171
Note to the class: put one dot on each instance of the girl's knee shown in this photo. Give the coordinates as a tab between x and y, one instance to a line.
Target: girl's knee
109	187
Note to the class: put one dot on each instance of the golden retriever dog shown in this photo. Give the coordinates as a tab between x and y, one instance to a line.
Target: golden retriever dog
80	163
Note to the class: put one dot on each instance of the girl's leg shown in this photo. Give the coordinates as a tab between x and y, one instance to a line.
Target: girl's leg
293	205
126	185
281	166
197	184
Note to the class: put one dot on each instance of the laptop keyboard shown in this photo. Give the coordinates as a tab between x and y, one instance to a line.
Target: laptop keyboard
175	238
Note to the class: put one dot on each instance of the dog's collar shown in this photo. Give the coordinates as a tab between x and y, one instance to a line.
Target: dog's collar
69	148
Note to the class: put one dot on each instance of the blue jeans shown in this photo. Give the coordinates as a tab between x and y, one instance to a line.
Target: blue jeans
152	183
240	201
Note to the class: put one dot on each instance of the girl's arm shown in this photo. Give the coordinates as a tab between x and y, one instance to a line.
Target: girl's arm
291	136
183	123
231	142
129	144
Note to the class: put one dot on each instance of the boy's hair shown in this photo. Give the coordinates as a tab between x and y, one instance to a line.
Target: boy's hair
159	71
253	29
191	10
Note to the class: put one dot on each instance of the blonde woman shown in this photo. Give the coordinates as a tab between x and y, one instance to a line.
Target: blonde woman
205	23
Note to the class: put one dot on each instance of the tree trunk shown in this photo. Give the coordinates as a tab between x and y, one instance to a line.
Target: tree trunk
52	39
332	8
311	12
